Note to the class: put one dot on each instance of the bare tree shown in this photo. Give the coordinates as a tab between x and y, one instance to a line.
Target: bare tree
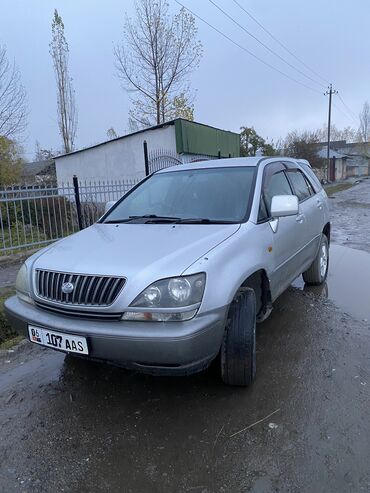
302	145
364	129
348	133
67	112
13	104
111	133
155	59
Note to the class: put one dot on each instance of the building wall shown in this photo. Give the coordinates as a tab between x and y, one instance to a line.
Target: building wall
340	169
358	157
195	138
121	159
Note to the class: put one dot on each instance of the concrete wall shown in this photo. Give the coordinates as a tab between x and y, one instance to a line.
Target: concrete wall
121	159
340	169
358	158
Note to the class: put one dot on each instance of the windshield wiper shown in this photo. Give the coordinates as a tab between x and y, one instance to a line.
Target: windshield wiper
119	221
150	217
203	220
153	218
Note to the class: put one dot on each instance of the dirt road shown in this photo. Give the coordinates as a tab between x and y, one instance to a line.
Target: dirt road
72	425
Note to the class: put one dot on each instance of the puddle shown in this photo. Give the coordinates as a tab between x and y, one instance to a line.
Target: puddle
348	282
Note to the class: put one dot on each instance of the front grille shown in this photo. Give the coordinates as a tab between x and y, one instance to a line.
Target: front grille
70	312
88	290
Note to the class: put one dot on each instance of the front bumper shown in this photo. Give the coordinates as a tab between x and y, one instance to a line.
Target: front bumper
158	347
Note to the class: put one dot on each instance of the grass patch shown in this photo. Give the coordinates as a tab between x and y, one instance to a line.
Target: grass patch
11	342
6	331
332	189
16	238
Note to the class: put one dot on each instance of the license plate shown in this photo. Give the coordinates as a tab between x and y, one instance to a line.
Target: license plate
58	340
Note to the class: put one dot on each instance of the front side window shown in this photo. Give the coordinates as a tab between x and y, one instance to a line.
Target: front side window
213	194
276	184
300	185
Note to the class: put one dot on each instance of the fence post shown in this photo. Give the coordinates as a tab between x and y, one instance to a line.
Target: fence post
146	159
78	202
219	154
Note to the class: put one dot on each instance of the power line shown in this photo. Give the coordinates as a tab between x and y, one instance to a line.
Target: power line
247	51
347	108
264	45
279	42
347	115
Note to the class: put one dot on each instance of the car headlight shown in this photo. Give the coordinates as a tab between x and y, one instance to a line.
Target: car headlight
22	285
173	299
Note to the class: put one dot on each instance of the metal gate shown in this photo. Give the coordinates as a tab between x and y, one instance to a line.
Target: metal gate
163	158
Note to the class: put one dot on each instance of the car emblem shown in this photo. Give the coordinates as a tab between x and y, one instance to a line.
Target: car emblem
67	287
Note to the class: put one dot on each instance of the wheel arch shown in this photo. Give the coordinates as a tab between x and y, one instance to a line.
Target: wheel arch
326	231
260	283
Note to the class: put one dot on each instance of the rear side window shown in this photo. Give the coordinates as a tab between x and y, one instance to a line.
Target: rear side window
301	186
315	182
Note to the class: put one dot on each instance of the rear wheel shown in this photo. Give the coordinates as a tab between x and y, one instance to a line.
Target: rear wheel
318	271
238	350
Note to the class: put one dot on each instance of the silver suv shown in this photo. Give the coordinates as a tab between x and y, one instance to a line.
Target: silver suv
179	270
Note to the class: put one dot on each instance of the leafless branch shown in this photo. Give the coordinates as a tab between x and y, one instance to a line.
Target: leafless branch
13	99
154	60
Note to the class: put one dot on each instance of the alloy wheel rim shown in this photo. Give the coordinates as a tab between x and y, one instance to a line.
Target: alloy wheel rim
323	260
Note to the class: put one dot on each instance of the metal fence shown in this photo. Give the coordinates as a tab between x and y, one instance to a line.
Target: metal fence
33	215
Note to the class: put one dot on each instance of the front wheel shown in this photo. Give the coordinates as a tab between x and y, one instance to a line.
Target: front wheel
318	271
238	350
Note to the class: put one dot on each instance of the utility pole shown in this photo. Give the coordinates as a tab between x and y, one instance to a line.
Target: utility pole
329	93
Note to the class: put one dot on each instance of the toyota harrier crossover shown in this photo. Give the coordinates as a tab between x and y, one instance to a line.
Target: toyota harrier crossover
179	270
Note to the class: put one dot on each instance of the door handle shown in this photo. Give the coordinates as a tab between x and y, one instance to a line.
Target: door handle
300	218
319	204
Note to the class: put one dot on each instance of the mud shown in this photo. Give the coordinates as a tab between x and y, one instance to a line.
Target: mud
71	425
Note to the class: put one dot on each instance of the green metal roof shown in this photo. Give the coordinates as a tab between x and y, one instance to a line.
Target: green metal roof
196	138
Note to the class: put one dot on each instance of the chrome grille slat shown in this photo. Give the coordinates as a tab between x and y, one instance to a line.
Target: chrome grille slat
47	284
78	279
82	290
103	291
89	290
96	290
112	290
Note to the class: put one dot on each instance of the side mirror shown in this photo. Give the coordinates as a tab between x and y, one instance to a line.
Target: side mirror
109	205
284	205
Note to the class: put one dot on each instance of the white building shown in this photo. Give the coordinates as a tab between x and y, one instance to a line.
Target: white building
122	158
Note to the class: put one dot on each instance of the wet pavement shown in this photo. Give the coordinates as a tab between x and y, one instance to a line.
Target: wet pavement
72	425
350	211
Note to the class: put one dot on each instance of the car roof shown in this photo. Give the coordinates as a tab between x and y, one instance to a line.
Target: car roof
225	163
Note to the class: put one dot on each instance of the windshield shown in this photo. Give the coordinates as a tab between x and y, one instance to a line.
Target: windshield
196	195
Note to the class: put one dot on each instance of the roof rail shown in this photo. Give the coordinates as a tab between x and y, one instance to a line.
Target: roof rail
304	161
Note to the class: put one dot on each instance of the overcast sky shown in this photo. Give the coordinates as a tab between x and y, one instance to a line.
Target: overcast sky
233	89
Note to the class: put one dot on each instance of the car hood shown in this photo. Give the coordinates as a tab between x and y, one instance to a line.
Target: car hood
149	250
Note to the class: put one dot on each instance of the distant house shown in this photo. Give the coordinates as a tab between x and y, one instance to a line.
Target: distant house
39	172
123	158
347	159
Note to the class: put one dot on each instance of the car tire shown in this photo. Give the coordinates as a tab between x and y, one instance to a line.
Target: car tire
238	349
316	274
